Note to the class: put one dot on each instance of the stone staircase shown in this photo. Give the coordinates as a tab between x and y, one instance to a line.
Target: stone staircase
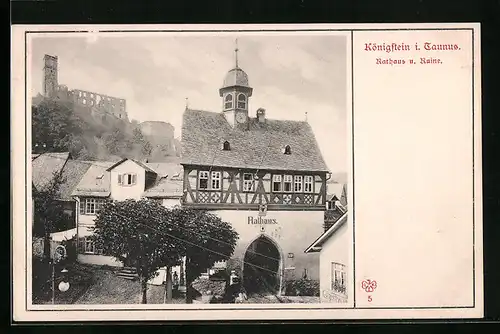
128	273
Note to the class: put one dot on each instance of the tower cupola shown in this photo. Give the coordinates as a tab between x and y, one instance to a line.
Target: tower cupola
235	93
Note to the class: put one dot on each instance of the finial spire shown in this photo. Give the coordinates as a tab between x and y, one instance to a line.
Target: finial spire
306	116
236	52
187	103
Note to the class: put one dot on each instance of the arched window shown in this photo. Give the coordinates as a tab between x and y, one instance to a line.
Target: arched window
226	146
228	101
287	150
242	101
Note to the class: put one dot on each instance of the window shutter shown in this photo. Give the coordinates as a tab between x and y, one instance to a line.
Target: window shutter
133	178
119	179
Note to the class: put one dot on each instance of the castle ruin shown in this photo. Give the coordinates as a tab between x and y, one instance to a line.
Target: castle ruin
98	103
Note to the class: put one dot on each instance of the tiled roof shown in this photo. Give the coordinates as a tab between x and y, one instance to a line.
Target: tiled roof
170	181
259	147
45	165
165	188
165	168
96	181
333	215
73	172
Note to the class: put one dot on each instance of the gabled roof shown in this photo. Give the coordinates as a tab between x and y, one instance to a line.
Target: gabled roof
259	147
337	191
318	243
143	165
96	181
45	165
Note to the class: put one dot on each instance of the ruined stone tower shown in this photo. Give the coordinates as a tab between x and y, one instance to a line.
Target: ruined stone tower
50	83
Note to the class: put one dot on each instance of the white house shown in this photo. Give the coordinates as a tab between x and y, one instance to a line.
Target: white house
333	246
126	179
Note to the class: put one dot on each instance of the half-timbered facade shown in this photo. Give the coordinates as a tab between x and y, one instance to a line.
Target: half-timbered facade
265	176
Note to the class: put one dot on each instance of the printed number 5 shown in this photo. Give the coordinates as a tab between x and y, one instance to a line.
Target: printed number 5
369	298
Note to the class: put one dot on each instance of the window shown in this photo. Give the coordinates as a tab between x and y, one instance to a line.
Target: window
228	101
203	180
226	146
338	278
87	245
216	180
127	179
287	183
288	150
308	184
276	182
90	206
242	101
248	182
298	184
208	180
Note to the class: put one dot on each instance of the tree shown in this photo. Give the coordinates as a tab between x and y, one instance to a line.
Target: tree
138	233
144	144
55	127
48	211
207	240
115	141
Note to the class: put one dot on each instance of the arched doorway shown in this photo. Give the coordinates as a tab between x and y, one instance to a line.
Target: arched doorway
262	267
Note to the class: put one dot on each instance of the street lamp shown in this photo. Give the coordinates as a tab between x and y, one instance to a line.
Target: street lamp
64	284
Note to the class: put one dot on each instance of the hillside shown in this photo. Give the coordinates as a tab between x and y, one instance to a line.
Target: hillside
90	134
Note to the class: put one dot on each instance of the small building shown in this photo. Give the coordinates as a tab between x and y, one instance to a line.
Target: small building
333	249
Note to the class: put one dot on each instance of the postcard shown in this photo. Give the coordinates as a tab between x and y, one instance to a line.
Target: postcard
246	172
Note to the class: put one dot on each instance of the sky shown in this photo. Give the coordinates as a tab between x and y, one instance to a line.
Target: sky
290	74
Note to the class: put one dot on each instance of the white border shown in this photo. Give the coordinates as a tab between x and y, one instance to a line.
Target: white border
213	312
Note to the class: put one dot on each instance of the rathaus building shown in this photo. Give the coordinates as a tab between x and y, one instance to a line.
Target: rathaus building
267	177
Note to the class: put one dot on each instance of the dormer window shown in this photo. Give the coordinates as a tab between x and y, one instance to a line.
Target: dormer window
228	101
287	150
127	179
242	101
226	146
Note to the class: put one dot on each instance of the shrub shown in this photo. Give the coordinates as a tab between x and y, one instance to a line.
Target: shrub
302	287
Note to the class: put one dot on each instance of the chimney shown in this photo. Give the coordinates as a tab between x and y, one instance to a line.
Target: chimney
261	115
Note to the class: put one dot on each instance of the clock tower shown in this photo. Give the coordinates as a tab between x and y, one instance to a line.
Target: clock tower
235	94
